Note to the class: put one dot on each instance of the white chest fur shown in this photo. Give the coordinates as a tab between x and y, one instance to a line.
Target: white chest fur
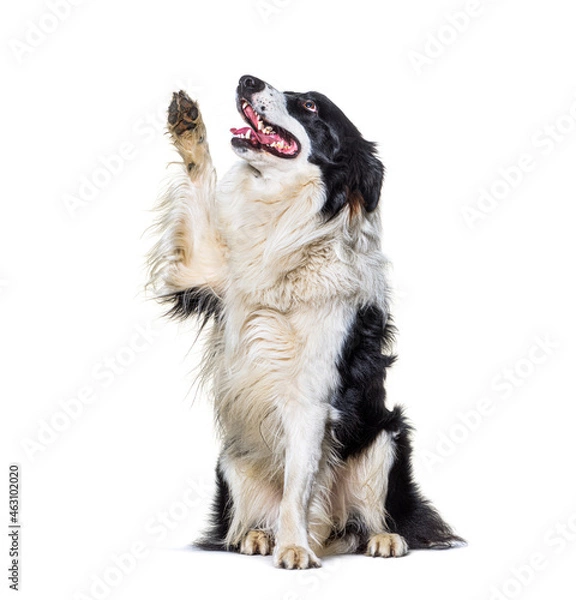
293	288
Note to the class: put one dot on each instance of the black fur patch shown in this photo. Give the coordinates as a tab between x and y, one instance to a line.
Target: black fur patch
194	301
360	399
361	395
409	513
351	171
221	517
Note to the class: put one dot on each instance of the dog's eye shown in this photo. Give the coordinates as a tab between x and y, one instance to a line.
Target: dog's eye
310	105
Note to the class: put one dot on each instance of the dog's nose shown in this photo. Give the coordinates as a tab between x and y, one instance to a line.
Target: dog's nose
250	85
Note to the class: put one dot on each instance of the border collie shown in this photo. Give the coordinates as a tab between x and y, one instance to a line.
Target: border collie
281	260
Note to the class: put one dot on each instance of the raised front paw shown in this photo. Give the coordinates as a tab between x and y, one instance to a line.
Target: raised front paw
256	542
386	545
295	557
183	114
188	132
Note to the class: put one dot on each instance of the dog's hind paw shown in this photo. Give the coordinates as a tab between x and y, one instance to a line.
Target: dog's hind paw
256	541
295	557
386	545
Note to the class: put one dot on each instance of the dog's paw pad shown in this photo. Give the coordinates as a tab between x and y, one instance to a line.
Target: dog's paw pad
183	113
296	557
386	545
256	542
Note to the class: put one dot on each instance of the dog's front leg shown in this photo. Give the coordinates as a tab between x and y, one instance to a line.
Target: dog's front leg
304	427
189	254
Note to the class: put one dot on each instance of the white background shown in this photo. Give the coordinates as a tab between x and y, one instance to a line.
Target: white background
131	471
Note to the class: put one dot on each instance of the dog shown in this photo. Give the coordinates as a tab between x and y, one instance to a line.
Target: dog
281	262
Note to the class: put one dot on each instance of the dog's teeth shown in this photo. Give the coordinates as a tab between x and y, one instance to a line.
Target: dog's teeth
260	125
248	133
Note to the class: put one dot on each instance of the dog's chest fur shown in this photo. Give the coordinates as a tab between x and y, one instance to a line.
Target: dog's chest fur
294	286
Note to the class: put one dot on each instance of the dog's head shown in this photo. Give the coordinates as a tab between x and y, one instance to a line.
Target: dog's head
286	128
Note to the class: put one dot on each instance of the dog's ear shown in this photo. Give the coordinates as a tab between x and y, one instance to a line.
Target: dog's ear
356	179
366	175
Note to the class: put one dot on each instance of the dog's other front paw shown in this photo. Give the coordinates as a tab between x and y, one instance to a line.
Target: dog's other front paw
386	545
256	542
183	114
295	557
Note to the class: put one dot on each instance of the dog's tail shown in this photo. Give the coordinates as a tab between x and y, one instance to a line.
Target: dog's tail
215	537
409	513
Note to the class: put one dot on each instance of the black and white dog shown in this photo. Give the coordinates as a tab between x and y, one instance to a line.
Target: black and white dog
282	260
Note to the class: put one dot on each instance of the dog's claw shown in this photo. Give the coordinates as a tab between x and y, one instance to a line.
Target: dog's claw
296	557
256	542
387	545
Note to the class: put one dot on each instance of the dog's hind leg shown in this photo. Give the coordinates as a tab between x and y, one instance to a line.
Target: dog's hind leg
378	508
257	541
187	264
245	508
359	495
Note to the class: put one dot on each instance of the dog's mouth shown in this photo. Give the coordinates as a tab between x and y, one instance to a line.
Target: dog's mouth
261	135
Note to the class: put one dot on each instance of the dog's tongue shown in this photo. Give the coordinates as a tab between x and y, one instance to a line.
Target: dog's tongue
255	135
241	131
260	136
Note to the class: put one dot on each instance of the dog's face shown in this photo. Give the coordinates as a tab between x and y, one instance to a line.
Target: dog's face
287	129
